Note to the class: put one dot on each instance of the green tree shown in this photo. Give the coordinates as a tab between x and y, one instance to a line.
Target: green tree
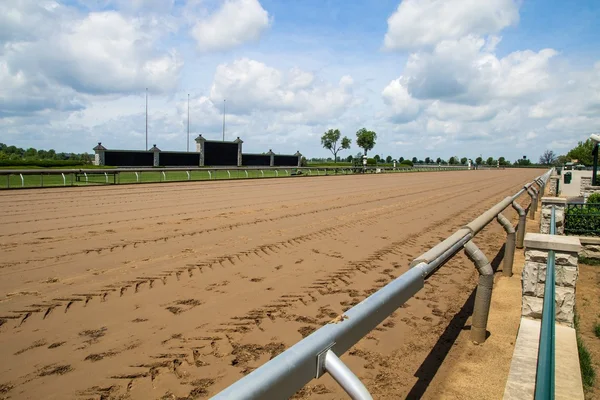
502	161
464	161
478	160
427	160
438	160
401	159
388	159
349	159
331	141
561	160
583	153
414	160
452	161
377	158
490	161
365	139
30	153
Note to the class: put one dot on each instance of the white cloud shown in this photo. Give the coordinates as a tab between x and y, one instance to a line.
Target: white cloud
418	23
65	56
235	23
251	86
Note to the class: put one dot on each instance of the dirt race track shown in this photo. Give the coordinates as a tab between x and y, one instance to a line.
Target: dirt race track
177	290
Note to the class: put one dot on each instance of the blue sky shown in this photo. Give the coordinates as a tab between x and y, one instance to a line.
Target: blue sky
431	77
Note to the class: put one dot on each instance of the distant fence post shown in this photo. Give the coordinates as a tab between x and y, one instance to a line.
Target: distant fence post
271	158
299	158
156	152
200	149
99	158
239	151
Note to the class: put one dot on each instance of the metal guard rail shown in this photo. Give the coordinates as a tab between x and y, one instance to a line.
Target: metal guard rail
115	172
545	374
318	353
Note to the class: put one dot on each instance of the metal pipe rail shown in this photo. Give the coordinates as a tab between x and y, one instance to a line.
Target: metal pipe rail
74	175
318	353
545	374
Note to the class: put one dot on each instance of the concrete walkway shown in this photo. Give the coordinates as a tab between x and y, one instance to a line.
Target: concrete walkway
521	378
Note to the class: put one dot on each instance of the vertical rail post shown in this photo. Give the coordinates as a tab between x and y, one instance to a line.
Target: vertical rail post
22	181
246	171
42	180
106	177
521	227
188	175
86	177
509	246
164	176
64	179
483	296
229	174
277	173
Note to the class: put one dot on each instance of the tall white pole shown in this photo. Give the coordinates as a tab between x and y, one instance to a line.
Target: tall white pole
146	119
188	132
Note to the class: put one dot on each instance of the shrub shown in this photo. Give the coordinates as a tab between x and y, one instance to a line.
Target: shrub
407	163
371	161
594	198
40	163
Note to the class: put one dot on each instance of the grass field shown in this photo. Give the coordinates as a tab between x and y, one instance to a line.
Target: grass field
29	181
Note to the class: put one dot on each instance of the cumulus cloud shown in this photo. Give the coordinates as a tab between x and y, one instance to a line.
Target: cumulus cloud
65	55
235	23
250	86
418	23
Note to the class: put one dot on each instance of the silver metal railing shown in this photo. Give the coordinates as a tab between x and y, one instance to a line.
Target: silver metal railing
74	177
318	353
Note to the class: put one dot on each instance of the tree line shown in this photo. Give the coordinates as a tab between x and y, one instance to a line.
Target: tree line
13	155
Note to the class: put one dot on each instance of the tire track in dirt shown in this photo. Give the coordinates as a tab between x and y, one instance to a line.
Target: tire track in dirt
192	331
47	308
245	353
227	227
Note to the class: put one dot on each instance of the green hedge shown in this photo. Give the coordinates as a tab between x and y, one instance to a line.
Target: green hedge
583	219
40	163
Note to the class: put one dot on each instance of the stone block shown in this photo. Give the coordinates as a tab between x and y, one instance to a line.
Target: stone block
537	256
568	259
557	243
532	307
529	278
566	276
565	305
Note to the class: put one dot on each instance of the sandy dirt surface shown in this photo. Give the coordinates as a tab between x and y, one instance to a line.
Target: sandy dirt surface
177	290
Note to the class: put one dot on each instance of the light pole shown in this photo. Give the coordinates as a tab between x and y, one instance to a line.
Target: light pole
188	127
224	119
146	119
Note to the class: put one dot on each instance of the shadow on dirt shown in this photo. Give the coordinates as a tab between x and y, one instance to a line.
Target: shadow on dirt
438	353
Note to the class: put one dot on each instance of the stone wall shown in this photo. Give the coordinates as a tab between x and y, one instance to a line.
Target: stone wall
566	250
587	190
585	182
553	185
546	213
590	247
